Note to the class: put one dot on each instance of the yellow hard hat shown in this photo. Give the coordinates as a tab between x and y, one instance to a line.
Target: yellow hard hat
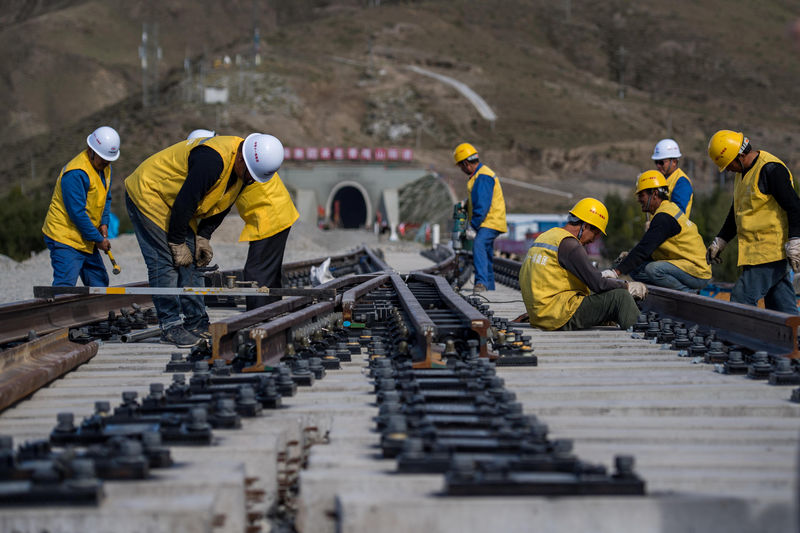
650	179
463	151
724	146
592	211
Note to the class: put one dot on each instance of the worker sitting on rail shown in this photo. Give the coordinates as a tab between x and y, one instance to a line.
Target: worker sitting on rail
679	188
76	226
176	199
560	287
671	253
486	213
766	217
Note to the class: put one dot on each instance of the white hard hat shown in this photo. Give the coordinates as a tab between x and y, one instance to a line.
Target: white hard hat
105	143
200	133
666	149
263	155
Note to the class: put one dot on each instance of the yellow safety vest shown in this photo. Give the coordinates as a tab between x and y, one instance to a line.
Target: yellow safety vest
672	180
496	217
266	209
57	224
551	293
154	185
686	249
761	224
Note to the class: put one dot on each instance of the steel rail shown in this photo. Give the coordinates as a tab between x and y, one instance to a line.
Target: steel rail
47	315
350	297
424	327
29	367
752	327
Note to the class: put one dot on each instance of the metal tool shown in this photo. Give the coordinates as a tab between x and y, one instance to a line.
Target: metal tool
116	270
49	292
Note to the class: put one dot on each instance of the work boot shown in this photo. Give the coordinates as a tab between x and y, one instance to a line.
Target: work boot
201	332
479	287
179	337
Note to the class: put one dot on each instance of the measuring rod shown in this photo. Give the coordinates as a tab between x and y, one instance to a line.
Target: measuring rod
49	292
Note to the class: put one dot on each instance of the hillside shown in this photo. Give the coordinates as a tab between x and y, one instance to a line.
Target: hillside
334	73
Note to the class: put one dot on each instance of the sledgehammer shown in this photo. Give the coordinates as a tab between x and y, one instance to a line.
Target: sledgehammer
116	270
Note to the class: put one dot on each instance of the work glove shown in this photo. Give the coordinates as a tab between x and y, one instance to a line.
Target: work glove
181	255
202	251
714	249
608	273
470	233
621	257
637	289
792	247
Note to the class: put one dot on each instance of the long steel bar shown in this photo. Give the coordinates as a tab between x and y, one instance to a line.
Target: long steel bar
48	292
30	366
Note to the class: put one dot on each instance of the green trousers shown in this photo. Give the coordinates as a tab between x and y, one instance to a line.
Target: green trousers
610	306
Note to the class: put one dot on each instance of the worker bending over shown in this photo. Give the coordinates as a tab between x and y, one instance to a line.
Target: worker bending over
176	199
76	226
671	253
560	287
486	213
765	215
679	187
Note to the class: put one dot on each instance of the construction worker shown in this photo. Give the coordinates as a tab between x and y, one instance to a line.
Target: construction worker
76	226
486	213
766	217
560	287
268	213
176	199
665	155
671	253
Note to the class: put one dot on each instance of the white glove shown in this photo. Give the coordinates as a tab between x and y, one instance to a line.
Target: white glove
202	251
792	247
181	255
637	289
470	233
714	249
608	273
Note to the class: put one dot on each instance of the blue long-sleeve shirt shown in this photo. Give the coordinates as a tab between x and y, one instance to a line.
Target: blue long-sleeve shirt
74	187
682	193
482	193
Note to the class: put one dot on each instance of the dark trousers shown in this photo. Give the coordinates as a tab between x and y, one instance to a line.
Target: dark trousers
264	262
596	309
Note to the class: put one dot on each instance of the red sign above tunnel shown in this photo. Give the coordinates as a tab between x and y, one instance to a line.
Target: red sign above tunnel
352	153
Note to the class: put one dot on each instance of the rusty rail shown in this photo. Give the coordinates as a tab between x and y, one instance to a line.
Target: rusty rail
26	368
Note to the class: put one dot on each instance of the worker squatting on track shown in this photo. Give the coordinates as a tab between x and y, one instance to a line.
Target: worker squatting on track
671	253
268	213
76	226
560	287
176	199
486	213
765	215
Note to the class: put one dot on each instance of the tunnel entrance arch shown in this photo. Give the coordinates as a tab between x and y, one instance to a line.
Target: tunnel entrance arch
355	208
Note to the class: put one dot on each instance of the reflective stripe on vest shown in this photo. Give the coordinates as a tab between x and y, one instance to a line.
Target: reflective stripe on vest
266	208
686	249
761	224
672	180
496	217
154	185
57	224
551	293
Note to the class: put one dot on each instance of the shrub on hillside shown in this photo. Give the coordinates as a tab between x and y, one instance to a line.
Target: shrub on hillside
21	231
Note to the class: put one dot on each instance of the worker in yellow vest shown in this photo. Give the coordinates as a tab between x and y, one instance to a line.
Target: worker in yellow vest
671	253
176	199
765	215
666	154
486	213
76	226
268	213
561	288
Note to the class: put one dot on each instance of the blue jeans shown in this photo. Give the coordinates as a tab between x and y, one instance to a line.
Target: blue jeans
664	274
69	263
771	281
483	256
162	272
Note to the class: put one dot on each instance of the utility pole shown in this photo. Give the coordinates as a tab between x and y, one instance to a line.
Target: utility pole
150	56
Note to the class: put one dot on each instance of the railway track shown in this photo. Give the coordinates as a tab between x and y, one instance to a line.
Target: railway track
428	351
